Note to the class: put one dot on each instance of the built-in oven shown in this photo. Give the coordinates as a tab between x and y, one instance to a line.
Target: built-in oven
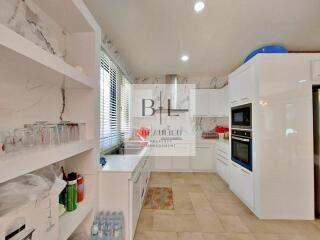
241	116
241	147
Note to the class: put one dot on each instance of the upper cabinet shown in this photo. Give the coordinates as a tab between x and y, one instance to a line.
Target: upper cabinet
241	86
209	102
199	102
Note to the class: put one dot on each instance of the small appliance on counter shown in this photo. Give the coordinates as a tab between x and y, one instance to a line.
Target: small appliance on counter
210	135
222	131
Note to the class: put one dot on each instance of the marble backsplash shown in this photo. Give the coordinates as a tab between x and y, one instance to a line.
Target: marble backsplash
200	82
27	19
199	124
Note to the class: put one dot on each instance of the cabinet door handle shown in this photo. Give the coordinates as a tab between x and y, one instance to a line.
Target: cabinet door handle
222	162
145	162
244	171
226	158
235	165
138	178
220	150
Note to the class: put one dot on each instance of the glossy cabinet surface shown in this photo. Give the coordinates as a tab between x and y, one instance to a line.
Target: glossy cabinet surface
199	102
203	158
241	87
241	183
223	161
209	102
281	184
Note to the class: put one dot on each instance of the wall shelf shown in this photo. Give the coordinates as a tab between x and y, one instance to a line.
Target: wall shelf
19	163
72	15
69	221
20	54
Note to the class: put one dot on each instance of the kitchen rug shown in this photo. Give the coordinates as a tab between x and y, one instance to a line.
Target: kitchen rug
159	198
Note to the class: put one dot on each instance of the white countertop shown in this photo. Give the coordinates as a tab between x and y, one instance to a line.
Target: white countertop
203	140
123	163
128	163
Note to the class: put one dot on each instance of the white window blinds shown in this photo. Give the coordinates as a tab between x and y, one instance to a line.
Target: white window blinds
115	92
125	108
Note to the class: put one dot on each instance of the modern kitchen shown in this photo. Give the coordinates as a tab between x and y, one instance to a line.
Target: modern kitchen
151	120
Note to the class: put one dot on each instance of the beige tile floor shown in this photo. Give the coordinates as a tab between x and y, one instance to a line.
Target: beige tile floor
205	209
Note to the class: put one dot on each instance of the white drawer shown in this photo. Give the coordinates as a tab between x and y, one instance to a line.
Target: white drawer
223	169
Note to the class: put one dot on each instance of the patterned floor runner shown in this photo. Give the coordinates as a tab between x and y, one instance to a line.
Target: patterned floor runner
159	198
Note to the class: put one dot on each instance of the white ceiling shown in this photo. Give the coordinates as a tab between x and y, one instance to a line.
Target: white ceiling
151	35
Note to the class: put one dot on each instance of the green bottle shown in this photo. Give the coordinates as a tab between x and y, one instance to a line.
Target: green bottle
71	192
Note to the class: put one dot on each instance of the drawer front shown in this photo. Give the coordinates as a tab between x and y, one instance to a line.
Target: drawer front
241	183
222	169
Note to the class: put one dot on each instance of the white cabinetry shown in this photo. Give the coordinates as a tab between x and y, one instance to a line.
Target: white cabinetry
209	102
180	160
79	71
162	162
180	163
199	102
203	158
222	161
241	183
124	190
241	87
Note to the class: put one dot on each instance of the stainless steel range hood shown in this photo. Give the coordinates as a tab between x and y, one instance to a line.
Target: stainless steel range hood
171	81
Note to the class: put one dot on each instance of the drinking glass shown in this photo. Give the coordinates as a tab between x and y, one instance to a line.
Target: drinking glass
63	131
40	130
53	134
73	131
82	131
24	137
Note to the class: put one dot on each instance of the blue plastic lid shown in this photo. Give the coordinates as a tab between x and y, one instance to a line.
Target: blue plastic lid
267	49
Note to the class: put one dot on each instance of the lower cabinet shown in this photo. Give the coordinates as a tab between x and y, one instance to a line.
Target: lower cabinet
241	183
223	169
203	159
125	191
180	163
223	161
161	163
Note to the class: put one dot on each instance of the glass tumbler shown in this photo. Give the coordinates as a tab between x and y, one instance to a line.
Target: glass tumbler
82	131
40	130
73	131
63	130
53	134
24	137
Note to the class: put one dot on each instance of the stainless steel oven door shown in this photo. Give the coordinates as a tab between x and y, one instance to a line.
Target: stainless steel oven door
241	151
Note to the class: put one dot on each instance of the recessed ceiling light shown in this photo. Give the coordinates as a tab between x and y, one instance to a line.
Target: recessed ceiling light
199	6
184	58
302	81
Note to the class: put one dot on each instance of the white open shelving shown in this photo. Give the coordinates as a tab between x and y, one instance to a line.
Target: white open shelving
36	74
69	221
19	163
35	61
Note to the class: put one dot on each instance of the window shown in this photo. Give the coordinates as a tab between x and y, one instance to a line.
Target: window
115	92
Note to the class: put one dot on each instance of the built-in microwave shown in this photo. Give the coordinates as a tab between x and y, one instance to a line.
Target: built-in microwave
241	148
241	116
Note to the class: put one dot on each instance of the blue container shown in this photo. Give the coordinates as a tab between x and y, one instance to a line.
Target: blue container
267	49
